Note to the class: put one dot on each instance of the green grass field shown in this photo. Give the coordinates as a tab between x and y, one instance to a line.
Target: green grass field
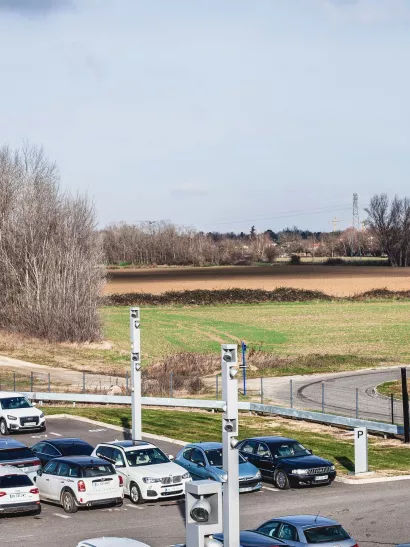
378	329
185	425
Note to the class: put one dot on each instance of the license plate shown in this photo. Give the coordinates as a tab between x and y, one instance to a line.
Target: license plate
171	488
247	489
103	486
17	496
28	424
322	478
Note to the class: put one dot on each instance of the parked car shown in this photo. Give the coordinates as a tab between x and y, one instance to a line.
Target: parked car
204	461
307	531
147	472
80	481
15	453
55	448
247	538
18	494
286	462
111	542
17	413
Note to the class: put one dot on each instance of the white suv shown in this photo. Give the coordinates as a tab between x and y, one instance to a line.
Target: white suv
147	472
18	494
18	414
80	481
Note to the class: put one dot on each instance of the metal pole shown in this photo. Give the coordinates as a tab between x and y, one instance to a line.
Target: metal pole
135	374
49	382
83	382
171	378
217	387
126	383
405	405
392	407
357	403
14	381
291	394
244	366
230	497
323	397
31	381
261	390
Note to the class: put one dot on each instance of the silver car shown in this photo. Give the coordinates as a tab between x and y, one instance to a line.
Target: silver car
307	531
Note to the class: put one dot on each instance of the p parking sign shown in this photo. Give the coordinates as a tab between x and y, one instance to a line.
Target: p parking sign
360	450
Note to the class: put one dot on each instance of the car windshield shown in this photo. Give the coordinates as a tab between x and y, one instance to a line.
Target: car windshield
15	481
13	403
215	457
12	454
145	456
79	449
323	534
289	450
98	470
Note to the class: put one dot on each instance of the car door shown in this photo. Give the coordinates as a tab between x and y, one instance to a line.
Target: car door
44	480
120	465
61	480
185	459
288	534
248	450
38	450
265	460
198	469
269	528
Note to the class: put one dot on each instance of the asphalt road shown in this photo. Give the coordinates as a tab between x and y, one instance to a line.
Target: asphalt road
375	514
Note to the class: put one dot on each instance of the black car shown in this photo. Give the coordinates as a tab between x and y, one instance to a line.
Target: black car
55	448
286	462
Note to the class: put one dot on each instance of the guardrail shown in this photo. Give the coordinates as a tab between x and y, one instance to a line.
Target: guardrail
320	417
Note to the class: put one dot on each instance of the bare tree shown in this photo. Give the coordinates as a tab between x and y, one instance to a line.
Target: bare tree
50	255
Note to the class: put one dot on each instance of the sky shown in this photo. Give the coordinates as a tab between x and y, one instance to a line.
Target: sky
215	115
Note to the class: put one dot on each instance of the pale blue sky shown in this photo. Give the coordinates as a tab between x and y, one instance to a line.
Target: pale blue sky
206	112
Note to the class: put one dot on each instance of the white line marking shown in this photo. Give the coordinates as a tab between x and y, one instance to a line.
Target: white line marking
96	430
61	516
56	434
135	506
38	436
270	488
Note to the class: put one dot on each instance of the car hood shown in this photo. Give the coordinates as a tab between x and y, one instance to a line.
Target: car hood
23	412
246	470
158	470
253	539
305	462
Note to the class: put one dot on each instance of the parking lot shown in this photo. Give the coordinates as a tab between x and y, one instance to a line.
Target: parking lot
375	514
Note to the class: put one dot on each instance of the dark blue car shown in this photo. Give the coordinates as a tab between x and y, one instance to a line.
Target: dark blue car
55	448
286	462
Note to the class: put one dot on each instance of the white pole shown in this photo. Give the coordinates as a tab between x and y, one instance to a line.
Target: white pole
229	355
135	333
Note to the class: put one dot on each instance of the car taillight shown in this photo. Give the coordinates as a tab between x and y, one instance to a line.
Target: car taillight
3	494
36	462
356	545
121	480
34	491
81	486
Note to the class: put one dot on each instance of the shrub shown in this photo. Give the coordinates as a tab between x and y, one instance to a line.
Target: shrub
294	260
334	262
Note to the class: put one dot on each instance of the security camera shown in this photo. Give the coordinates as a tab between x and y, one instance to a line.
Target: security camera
229	427
201	510
135	357
134	313
227	358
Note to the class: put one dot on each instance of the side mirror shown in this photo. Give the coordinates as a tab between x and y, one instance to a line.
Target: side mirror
33	404
171	457
201	464
310	451
39	472
119	464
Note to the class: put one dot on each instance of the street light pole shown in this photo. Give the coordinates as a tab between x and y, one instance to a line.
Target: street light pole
135	333
230	501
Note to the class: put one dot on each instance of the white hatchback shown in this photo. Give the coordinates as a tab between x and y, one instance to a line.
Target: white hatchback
111	542
80	481
18	494
17	413
147	472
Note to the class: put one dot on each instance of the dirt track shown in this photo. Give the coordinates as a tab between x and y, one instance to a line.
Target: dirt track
335	280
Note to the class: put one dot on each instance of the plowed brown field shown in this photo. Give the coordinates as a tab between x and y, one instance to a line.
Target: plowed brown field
334	280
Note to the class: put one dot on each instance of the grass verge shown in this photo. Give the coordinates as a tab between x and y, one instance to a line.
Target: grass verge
384	456
392	387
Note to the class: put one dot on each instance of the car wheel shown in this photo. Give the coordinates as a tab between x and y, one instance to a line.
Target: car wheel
135	494
68	502
3	427
281	480
119	503
37	511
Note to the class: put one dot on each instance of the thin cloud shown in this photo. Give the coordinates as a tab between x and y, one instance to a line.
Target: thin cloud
34	7
372	11
188	191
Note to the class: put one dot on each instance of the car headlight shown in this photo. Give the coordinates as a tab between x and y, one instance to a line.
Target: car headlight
186	476
11	417
41	415
298	471
150	480
332	468
258	475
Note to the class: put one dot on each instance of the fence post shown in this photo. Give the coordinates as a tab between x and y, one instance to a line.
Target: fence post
357	403
392	407
291	393
14	381
261	390
405	395
217	386
49	382
31	381
323	397
83	382
171	381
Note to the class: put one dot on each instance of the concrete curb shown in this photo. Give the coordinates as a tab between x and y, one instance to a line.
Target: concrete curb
358	481
115	428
